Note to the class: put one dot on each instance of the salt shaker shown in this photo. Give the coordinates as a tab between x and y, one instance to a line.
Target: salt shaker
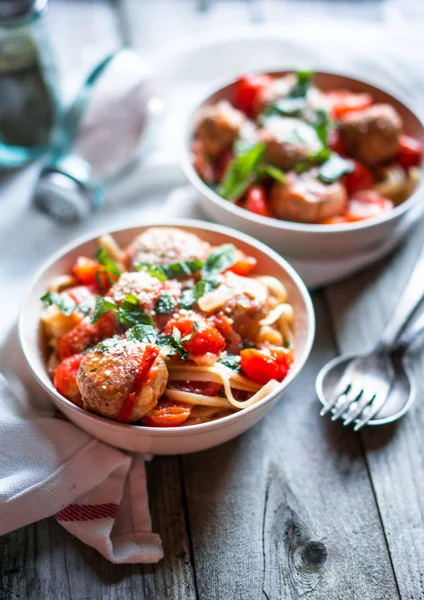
107	129
29	104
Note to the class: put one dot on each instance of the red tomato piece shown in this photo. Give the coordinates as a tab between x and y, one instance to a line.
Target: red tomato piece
367	204
244	264
207	388
144	367
410	152
263	365
65	378
87	334
359	179
90	272
343	102
167	414
256	201
248	89
206	339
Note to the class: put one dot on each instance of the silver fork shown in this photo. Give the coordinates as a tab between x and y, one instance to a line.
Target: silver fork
364	383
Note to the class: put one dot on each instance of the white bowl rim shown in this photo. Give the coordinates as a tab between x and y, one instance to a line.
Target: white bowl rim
182	222
279	224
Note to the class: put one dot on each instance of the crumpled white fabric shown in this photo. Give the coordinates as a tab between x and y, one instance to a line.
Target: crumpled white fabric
49	467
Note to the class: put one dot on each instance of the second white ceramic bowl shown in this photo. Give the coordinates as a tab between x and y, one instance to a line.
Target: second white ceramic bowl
298	240
177	440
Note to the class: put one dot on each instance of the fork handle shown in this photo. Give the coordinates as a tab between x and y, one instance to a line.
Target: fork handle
409	301
410	335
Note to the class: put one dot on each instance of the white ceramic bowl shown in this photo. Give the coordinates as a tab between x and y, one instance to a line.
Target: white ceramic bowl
298	240
178	440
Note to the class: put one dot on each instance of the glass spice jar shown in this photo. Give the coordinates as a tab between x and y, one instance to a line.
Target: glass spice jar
29	103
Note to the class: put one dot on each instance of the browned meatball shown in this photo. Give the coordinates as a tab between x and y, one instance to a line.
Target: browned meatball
217	127
305	199
159	245
143	286
242	299
107	374
372	135
288	141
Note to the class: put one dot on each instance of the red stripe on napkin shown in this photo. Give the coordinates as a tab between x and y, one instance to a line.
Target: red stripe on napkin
87	512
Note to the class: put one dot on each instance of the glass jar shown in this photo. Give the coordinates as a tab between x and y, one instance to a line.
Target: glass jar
28	83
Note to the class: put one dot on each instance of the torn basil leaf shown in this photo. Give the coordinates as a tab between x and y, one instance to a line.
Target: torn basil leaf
109	265
273	172
220	259
287	107
64	303
143	333
102	306
130	313
152	270
239	173
334	168
232	361
187	299
165	304
302	85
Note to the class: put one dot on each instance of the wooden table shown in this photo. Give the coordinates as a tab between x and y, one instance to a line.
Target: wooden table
297	507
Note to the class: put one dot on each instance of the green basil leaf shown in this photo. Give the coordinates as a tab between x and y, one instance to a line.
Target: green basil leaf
287	107
64	303
85	307
102	306
153	270
143	333
110	266
182	268
334	168
302	85
130	313
273	172
239	173
189	336
219	260
165	304
232	361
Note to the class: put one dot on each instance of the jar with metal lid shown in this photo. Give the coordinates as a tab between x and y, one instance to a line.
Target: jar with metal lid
28	82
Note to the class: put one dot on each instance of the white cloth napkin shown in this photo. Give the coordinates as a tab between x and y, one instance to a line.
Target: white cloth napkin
49	467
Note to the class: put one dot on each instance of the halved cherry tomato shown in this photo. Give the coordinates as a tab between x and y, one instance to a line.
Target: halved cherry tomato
410	152
256	201
367	204
65	378
206	339
144	367
90	272
263	365
343	102
207	388
87	334
244	264
359	179
248	89
167	414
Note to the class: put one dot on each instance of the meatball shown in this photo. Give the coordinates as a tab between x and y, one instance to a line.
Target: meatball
372	135
160	245
305	199
217	127
110	373
143	286
288	141
242	299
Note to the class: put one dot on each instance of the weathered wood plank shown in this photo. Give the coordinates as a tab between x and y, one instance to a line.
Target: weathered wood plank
360	308
287	510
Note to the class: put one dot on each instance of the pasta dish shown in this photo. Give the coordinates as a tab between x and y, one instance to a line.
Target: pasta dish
283	148
167	331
